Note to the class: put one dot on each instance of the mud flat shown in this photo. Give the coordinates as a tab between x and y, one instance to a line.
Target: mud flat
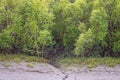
44	71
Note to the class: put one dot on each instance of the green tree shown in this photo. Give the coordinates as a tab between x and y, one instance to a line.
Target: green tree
115	19
35	18
95	34
6	15
68	16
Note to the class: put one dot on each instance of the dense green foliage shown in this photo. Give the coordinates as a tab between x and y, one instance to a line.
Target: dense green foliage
60	27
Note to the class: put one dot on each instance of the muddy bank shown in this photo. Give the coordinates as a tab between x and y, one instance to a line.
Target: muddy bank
44	71
98	73
29	71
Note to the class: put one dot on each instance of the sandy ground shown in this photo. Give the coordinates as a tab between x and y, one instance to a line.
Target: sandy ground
44	71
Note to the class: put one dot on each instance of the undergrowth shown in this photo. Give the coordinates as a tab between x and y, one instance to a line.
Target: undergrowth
21	57
91	62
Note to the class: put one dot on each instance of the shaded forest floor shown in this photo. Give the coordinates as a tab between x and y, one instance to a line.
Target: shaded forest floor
22	67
